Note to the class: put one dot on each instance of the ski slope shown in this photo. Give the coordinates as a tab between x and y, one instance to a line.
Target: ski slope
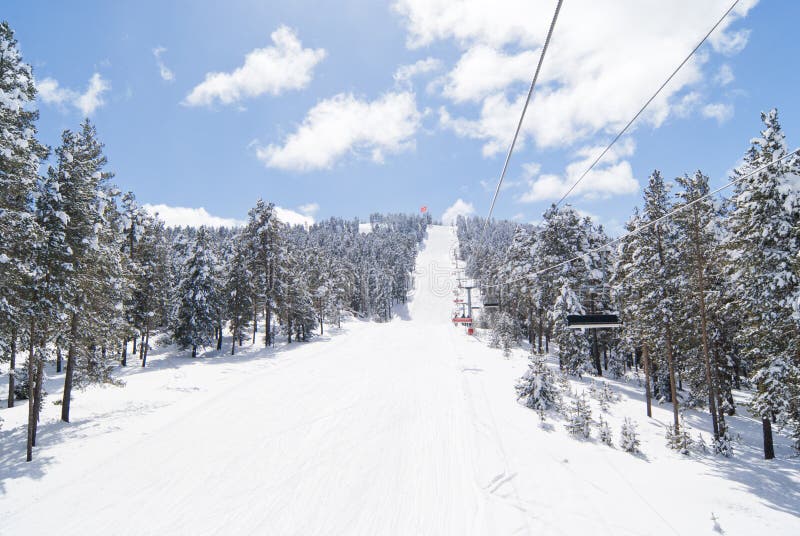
404	428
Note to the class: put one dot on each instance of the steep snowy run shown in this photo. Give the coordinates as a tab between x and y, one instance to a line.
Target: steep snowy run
407	427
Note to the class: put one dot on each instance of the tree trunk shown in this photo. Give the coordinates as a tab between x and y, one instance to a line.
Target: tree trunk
194	350
769	450
12	364
648	395
596	354
672	385
73	334
31	383
712	391
134	344
268	323
233	340
37	401
219	338
125	352
540	330
668	333
145	343
255	319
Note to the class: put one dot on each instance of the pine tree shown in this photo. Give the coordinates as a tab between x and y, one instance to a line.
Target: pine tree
20	155
695	225
629	437
263	233
239	294
573	346
579	418
762	246
537	388
195	318
631	287
604	432
655	257
82	184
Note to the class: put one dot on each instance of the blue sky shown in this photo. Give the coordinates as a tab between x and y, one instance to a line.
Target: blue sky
313	109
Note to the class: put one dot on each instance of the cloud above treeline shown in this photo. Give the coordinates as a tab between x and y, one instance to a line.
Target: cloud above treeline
197	217
51	93
458	208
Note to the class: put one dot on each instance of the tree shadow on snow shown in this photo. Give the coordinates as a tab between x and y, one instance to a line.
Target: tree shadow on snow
12	455
51	433
401	311
770	480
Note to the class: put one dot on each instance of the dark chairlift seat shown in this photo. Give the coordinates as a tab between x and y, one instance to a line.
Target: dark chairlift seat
593	321
491	300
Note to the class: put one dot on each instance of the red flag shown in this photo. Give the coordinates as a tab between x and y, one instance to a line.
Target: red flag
423	209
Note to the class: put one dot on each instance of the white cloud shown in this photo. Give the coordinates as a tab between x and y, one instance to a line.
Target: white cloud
50	92
196	217
484	70
293	218
687	104
92	98
309	209
725	75
595	77
166	73
405	73
719	111
345	124
730	43
285	65
459	208
189	217
613	176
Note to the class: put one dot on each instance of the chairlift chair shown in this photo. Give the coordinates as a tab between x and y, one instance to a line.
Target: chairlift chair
593	321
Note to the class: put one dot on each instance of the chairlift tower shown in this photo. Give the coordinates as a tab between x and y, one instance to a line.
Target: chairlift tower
468	285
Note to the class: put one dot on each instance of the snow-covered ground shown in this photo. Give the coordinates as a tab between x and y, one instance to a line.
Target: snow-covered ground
409	427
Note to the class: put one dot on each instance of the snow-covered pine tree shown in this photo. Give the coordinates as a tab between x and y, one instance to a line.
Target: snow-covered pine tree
20	155
150	277
538	389
238	293
695	225
629	437
573	346
48	285
579	417
630	290
196	316
604	432
762	246
264	236
655	259
504	332
82	185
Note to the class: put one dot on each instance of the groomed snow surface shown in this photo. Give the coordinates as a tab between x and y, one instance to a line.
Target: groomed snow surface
404	428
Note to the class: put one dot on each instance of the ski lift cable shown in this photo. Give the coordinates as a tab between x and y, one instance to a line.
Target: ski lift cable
651	223
616	138
646	104
522	115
